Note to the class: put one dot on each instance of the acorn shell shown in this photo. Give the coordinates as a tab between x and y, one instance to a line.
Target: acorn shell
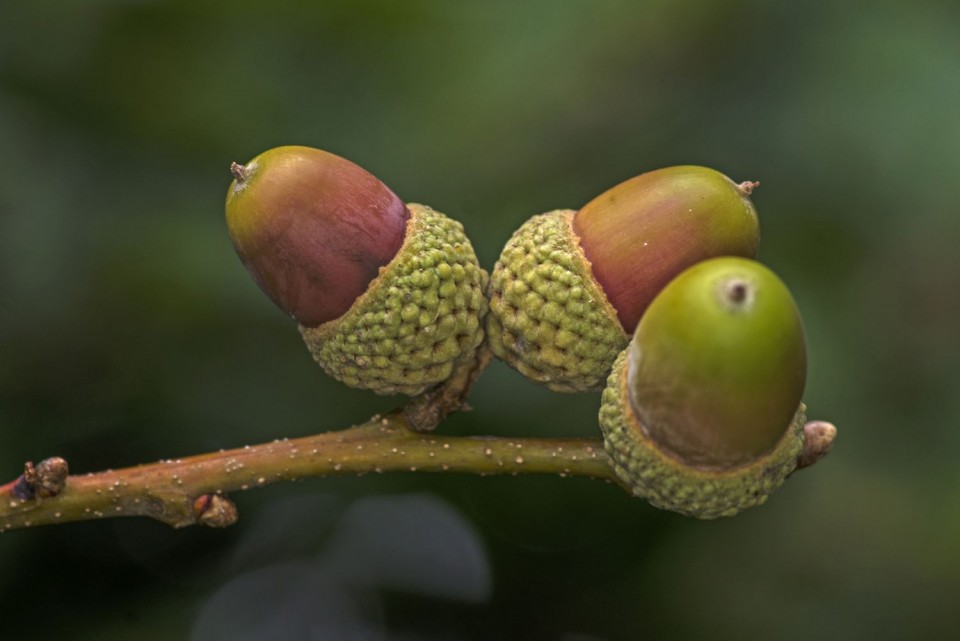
417	320
313	229
640	234
718	363
670	484
548	318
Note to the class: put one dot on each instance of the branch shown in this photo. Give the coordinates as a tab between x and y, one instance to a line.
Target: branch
181	492
193	490
188	491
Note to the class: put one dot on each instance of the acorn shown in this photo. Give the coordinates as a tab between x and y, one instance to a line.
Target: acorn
388	296
569	287
702	412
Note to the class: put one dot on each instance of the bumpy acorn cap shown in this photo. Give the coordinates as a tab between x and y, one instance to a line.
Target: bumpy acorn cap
671	484
389	297
569	286
548	318
702	413
419	318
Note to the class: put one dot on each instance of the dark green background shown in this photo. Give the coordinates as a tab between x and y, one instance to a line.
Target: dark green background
130	332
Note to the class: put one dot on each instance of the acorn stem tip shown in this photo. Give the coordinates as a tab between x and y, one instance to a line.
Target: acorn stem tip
239	171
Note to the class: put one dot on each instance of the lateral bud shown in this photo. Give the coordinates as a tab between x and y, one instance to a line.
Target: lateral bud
215	510
45	479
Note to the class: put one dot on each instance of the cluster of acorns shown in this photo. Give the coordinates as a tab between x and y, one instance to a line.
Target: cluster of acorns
701	411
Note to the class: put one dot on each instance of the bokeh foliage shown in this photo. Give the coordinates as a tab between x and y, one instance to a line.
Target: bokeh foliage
130	332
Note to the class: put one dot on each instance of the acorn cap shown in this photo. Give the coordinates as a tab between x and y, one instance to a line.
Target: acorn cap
701	412
419	318
569	287
548	318
670	484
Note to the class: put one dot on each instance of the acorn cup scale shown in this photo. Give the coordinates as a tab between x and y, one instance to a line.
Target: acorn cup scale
548	317
389	297
417	321
702	413
570	286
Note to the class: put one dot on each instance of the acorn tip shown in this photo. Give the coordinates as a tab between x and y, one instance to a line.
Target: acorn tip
239	171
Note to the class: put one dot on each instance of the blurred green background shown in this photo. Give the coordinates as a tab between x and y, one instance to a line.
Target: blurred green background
129	330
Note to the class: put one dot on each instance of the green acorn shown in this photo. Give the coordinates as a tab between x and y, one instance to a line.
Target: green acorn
389	297
569	287
702	414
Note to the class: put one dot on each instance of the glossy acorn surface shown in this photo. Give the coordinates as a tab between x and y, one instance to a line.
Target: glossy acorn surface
702	413
718	363
389	296
313	229
646	230
568	288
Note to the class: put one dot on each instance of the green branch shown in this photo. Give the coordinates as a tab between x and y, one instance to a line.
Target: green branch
188	491
192	490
